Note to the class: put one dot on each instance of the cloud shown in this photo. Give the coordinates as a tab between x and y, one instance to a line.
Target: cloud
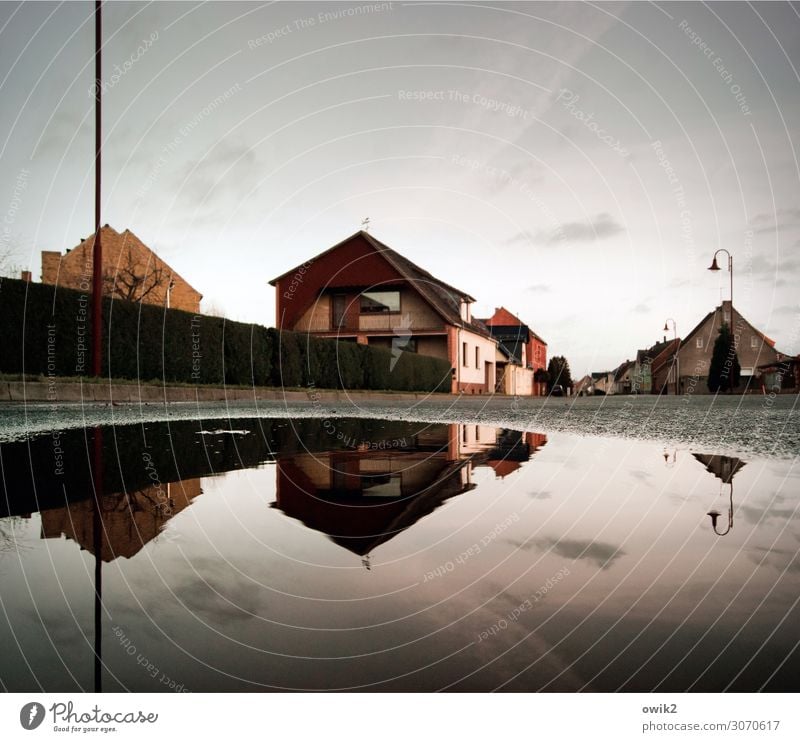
542	495
592	230
597	552
642	308
539	288
762	267
776	222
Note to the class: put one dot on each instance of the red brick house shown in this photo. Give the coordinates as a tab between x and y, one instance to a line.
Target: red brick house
520	354
131	271
363	291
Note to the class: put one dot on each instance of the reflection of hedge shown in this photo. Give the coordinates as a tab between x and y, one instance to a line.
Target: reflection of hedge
40	334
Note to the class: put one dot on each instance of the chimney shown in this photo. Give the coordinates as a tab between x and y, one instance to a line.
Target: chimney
26	276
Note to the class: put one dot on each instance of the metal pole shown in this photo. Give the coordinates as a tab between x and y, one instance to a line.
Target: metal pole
97	262
730	268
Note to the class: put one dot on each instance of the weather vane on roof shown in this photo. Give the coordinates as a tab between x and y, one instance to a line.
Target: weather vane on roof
365	224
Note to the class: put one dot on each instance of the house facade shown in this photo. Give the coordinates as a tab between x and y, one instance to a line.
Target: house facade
753	349
624	378
521	353
655	368
363	291
131	271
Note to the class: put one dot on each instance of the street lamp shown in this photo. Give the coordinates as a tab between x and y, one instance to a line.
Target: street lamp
715	267
674	349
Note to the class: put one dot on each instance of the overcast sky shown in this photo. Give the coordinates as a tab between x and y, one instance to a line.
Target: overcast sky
576	163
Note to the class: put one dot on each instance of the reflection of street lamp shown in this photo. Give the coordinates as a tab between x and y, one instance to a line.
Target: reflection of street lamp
669	464
715	267
674	348
715	513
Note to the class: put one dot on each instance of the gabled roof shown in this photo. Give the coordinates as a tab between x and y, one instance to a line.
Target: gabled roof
114	243
443	297
668	350
769	341
619	372
504	319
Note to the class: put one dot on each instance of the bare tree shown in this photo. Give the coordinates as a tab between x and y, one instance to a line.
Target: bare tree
8	254
133	281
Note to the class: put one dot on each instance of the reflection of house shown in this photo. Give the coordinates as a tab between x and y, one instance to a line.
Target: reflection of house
722	467
364	291
753	349
129	521
362	498
131	270
513	448
521	355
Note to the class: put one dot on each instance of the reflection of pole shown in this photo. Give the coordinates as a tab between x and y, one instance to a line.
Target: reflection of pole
715	514
97	260
97	540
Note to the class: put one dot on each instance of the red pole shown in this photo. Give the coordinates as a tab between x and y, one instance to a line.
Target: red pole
97	263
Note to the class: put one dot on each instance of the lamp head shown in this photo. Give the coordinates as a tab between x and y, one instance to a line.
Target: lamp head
714	515
714	266
665	327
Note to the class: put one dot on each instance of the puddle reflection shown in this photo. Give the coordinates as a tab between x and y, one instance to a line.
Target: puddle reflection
215	547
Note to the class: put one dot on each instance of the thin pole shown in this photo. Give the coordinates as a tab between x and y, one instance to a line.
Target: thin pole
730	268
97	263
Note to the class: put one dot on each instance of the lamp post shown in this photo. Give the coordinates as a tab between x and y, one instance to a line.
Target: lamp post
674	348
97	253
715	267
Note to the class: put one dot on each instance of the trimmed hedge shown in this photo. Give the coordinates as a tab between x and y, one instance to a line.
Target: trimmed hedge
47	330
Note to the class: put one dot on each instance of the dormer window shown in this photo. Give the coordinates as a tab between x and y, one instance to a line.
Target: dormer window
466	313
376	302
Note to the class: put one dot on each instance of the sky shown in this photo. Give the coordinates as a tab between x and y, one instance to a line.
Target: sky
577	163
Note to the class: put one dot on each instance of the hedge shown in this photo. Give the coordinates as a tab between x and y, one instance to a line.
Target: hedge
47	330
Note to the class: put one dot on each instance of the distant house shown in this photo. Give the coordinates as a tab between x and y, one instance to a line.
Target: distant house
131	271
781	376
584	387
655	367
363	291
521	353
604	382
623	378
753	349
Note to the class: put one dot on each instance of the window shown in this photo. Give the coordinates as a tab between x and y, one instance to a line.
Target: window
753	342
464	357
699	342
380	301
477	357
338	309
